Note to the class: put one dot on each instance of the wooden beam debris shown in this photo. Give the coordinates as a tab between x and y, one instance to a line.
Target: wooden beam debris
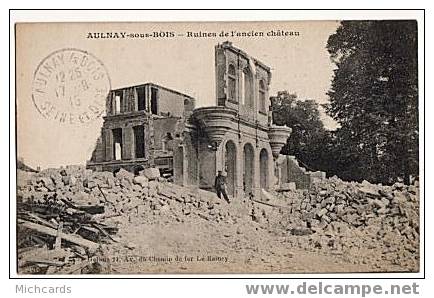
52	232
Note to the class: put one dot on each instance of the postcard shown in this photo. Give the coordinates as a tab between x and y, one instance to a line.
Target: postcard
217	147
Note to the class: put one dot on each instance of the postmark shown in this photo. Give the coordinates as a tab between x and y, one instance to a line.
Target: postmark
70	86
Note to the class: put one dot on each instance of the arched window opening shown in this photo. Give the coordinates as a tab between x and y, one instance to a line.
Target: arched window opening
262	99
248	87
232	83
118	102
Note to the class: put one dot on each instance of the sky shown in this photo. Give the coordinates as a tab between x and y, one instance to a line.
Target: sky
299	64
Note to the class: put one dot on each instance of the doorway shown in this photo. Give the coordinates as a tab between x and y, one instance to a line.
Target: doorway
139	141
117	143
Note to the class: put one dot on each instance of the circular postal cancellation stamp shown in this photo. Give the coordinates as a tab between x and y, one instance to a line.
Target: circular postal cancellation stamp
70	86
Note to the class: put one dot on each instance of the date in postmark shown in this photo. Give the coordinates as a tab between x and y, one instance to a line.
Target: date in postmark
70	86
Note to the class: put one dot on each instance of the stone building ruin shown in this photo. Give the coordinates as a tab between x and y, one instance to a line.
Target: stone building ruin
152	126
140	127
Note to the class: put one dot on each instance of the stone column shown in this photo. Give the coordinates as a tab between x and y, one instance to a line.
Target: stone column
149	151
239	170
256	94
109	103
220	158
135	99
256	185
271	180
239	83
127	139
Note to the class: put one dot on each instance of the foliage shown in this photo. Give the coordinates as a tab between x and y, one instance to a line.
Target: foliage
373	97
308	134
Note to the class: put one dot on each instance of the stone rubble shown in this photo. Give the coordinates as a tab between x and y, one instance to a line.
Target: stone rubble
361	222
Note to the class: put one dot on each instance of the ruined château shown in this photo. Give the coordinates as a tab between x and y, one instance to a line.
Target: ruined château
152	126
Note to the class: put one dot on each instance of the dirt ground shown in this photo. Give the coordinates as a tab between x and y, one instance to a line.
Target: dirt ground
201	246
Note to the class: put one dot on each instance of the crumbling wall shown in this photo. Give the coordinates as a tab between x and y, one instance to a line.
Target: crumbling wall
103	152
162	126
98	153
170	102
225	55
297	174
191	154
292	172
207	166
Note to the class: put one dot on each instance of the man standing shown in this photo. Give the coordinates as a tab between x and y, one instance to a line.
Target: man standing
220	186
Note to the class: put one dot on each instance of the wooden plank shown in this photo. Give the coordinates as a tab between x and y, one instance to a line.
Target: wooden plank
101	229
52	232
97	217
91	209
41	261
58	243
68	203
104	196
41	221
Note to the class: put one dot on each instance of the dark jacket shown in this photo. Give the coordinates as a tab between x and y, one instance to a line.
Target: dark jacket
220	182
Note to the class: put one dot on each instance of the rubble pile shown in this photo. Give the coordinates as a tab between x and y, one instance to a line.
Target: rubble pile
60	226
66	215
362	222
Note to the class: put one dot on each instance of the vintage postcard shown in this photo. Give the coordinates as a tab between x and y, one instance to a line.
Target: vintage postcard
217	147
